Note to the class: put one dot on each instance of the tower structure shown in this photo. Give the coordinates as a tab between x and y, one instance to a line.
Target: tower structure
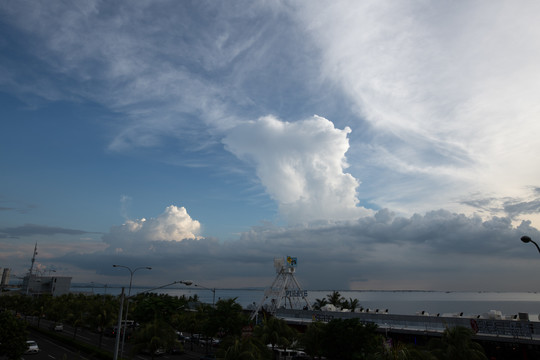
5	277
29	276
285	291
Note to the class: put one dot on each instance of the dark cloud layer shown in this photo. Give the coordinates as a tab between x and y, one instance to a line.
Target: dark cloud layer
335	256
33	230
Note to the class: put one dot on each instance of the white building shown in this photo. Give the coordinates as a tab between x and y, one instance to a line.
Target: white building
54	285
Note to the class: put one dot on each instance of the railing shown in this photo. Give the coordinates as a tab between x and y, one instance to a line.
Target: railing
501	329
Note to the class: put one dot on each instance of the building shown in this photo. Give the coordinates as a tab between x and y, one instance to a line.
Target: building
5	277
54	285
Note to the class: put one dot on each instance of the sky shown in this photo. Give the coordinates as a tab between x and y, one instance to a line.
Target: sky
386	145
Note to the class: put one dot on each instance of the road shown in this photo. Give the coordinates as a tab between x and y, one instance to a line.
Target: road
51	349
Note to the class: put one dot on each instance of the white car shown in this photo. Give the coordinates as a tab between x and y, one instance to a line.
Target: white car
33	347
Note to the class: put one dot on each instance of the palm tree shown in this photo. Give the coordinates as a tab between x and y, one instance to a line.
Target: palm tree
320	303
247	348
312	339
351	304
104	319
76	305
335	299
402	351
275	332
13	336
456	343
153	336
227	318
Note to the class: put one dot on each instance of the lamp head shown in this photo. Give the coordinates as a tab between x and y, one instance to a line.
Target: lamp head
526	239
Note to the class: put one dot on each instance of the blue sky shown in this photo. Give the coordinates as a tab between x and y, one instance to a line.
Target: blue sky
393	144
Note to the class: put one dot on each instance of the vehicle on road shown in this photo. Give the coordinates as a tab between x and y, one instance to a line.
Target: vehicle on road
57	327
33	347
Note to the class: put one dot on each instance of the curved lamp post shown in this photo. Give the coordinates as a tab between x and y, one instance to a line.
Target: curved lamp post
527	239
124	327
185	282
213	290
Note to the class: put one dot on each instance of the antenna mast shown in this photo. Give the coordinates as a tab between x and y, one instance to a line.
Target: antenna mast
33	259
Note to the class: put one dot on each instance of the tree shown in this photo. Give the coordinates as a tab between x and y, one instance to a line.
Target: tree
203	316
247	348
275	332
76	305
351	304
149	306
13	335
312	339
188	322
350	339
227	319
153	336
39	306
335	299
320	303
402	351
456	343
103	313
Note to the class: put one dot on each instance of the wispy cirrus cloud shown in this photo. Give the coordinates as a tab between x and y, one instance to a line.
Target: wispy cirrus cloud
450	90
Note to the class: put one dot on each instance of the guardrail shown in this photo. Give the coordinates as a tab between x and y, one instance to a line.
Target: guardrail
517	330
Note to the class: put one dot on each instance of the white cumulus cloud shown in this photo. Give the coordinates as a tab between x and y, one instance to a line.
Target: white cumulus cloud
301	165
174	224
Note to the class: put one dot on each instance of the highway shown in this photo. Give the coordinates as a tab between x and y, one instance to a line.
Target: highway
51	349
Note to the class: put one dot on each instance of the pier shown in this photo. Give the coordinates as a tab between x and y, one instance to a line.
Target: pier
516	330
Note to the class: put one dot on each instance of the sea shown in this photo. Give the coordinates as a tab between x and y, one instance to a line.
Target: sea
402	302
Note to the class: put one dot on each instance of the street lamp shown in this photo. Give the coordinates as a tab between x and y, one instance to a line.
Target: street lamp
185	282
213	290
131	272
93	284
527	239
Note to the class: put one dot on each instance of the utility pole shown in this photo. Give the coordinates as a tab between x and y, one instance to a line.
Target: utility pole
119	325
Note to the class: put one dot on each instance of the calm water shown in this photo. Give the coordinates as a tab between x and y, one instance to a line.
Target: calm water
397	302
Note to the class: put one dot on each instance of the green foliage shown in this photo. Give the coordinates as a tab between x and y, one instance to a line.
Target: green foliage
149	306
312	339
247	348
350	304
153	336
320	303
227	318
276	332
349	339
76	306
456	343
336	299
76	344
103	313
402	351
13	335
160	315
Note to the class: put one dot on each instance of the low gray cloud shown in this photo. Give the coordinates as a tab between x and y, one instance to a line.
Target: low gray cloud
34	230
433	250
522	207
